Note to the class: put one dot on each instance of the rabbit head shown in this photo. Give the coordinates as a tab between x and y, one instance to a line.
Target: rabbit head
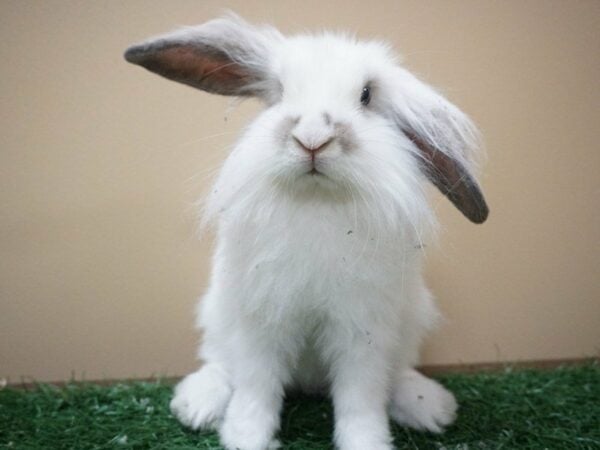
341	115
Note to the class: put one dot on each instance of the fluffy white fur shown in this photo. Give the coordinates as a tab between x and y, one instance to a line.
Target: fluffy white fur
317	278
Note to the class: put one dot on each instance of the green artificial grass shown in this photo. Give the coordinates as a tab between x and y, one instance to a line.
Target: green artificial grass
515	409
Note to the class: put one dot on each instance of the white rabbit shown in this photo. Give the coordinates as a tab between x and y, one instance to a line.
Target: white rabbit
320	210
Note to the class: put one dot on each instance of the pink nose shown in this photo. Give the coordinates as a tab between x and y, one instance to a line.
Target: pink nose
313	148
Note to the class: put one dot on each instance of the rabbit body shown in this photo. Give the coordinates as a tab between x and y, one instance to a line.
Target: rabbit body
320	213
310	289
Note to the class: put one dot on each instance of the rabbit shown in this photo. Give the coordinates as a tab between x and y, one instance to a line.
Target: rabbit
320	212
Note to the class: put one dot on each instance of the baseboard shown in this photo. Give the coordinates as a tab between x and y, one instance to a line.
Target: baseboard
432	370
541	364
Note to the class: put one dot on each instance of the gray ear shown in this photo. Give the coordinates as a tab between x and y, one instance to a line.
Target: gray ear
225	56
453	180
446	143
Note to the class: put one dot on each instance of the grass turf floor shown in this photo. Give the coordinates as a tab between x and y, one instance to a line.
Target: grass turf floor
514	409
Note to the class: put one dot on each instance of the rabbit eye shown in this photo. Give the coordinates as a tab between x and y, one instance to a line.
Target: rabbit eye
365	96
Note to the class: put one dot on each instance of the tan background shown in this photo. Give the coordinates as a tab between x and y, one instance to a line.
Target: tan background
101	163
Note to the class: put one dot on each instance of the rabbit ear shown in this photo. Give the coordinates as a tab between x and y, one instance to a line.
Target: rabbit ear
225	56
445	141
453	180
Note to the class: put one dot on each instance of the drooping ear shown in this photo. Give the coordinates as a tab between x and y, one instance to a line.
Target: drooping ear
445	141
225	56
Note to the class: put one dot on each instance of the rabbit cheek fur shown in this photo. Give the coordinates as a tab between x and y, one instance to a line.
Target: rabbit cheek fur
320	211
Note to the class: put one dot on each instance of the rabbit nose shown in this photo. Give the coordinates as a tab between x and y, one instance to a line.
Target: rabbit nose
313	133
312	147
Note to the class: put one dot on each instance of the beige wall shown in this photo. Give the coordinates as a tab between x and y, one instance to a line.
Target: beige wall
100	163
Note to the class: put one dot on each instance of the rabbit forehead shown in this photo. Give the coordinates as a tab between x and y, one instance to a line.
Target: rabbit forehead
330	64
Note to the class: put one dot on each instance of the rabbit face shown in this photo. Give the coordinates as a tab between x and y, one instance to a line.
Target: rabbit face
326	129
327	107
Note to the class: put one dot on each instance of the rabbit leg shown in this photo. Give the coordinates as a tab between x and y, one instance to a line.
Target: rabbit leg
259	373
201	397
422	403
360	382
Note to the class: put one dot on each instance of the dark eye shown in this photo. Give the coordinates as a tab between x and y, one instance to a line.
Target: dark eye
365	96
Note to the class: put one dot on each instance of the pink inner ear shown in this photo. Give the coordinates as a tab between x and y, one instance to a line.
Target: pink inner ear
202	68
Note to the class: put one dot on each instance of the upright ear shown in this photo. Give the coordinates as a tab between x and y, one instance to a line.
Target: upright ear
446	143
225	56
